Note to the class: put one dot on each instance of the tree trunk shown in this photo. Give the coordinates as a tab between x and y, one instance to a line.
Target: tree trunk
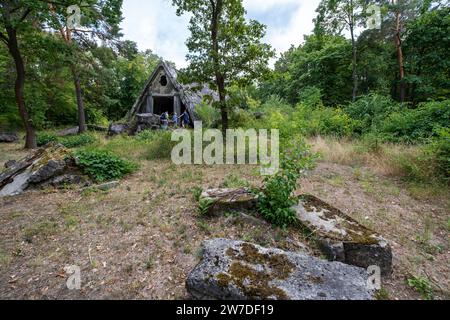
398	44
220	80
354	64
13	46
80	104
223	105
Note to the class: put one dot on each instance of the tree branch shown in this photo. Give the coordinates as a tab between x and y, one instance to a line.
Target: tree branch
25	14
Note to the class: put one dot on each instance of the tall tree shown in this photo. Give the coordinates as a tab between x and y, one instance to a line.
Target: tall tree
426	46
15	18
224	48
336	15
400	13
98	20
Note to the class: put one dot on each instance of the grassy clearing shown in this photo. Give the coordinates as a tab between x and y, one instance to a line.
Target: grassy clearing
392	160
149	228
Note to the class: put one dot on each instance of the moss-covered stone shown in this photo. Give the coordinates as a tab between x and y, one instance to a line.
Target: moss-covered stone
229	200
235	270
342	238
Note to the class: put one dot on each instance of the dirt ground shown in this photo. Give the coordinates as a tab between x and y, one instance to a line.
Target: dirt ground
141	239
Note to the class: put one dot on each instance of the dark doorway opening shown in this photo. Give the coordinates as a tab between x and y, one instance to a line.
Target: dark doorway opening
162	104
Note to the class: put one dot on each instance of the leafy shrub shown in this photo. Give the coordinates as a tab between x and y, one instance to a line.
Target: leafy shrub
102	165
277	198
276	103
204	206
240	118
322	121
438	153
370	110
78	140
423	286
311	97
43	138
209	115
416	125
197	192
146	135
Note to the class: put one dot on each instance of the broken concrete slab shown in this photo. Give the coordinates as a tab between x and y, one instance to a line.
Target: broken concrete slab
236	270
9	137
117	129
68	132
342	238
229	200
107	186
39	168
68	180
10	164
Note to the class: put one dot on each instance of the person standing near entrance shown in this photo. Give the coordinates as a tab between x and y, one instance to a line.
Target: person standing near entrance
175	120
185	119
164	120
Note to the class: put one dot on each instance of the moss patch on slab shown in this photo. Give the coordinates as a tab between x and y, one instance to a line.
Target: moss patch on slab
354	232
256	284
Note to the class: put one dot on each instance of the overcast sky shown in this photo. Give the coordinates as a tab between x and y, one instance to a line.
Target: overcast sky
154	25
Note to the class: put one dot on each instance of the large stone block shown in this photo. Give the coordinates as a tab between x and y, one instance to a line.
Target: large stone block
235	270
39	168
229	200
9	137
342	238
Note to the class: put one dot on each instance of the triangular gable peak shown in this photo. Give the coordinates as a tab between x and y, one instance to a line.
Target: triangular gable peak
162	93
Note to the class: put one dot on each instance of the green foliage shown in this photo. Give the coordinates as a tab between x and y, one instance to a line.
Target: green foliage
234	181
225	48
197	192
416	125
77	140
370	111
103	165
45	138
209	115
204	206
426	50
277	197
321	62
147	135
438	154
158	144
311	96
423	286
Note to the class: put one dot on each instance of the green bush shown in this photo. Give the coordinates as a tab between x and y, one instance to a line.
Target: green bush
209	115
423	286
416	125
370	111
44	138
147	135
438	153
311	97
102	165
277	197
78	140
322	121
240	118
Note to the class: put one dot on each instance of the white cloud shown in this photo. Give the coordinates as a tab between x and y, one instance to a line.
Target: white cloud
299	23
154	25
